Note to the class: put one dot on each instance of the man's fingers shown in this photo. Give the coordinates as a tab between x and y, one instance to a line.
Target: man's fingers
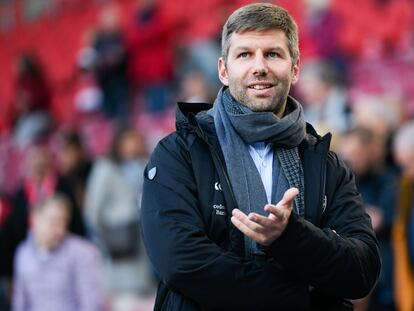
263	230
275	212
243	228
239	214
262	220
244	219
288	197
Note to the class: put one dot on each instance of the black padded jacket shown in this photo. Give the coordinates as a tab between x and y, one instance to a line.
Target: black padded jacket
319	261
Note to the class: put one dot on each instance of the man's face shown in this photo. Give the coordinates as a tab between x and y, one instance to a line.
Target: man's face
39	162
259	70
356	154
69	158
50	225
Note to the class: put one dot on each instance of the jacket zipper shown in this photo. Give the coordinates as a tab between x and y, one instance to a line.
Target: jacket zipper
323	198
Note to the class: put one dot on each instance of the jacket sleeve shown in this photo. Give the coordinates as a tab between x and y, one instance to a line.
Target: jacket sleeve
187	260
341	257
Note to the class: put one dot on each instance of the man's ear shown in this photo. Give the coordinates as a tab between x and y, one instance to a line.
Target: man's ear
295	71
222	72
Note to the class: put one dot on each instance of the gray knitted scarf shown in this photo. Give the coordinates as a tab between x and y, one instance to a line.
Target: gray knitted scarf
237	126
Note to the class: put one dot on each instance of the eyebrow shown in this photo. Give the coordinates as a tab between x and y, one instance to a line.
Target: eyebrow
246	48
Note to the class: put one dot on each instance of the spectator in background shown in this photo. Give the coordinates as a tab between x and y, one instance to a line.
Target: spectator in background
112	211
55	270
111	63
199	38
323	90
32	103
88	96
382	116
403	231
319	31
377	186
151	66
74	165
41	181
195	88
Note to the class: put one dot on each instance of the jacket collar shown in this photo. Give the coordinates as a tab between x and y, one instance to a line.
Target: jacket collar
184	109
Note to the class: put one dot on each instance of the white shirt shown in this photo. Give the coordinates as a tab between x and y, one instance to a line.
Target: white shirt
262	155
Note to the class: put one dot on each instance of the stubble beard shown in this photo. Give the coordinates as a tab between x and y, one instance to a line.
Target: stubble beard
272	104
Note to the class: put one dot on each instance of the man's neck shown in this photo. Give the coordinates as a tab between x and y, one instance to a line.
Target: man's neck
281	113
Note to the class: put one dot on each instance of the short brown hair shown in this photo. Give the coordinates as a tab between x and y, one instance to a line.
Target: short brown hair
261	16
57	199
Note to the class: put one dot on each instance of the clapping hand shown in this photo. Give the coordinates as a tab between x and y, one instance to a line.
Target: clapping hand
265	230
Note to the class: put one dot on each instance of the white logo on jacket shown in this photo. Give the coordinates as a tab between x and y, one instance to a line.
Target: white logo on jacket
220	209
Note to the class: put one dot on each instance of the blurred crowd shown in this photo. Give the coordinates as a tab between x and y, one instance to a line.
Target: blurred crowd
70	183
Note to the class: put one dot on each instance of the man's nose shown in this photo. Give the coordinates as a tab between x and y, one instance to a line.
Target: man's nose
259	66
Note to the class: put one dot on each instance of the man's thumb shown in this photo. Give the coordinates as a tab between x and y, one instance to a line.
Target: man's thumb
289	196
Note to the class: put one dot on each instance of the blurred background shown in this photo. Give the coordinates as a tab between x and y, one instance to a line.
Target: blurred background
88	87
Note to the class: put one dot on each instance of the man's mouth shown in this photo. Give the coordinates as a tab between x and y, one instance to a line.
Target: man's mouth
261	86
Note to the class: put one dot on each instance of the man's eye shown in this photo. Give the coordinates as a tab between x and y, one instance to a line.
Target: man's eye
244	55
272	54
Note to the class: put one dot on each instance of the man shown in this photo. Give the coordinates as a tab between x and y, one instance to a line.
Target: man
53	269
243	206
377	184
403	231
325	95
40	181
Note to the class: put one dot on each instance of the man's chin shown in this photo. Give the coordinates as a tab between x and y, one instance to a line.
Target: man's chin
262	107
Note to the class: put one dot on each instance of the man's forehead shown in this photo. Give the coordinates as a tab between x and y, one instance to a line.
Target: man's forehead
54	208
272	37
